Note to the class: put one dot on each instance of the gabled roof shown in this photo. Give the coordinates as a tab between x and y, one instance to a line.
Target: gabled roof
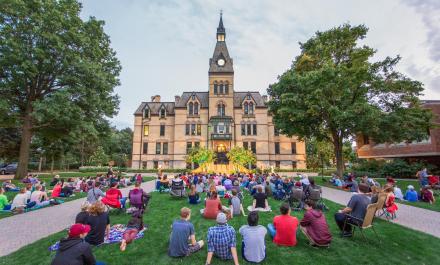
203	98
155	108
256	96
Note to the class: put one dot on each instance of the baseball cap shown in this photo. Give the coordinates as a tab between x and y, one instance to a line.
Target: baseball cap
78	229
221	218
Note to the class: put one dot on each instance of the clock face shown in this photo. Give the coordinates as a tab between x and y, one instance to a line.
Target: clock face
221	62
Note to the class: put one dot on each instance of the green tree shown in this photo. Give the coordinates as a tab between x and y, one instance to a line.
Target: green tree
319	153
99	157
240	156
334	91
56	70
201	156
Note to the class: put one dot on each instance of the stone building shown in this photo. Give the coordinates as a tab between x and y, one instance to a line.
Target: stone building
219	118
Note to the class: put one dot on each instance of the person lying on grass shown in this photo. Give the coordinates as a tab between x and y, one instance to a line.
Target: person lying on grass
283	229
314	226
134	226
74	250
357	207
183	239
222	241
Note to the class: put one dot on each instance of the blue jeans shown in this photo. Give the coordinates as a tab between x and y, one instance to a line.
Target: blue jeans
99	263
123	200
7	207
271	230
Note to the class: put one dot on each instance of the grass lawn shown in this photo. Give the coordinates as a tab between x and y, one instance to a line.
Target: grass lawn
399	245
402	184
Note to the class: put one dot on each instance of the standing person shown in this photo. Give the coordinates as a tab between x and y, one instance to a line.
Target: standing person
314	226
4	203
99	222
423	177
357	207
73	250
95	193
222	241
283	229
181	231
253	247
390	200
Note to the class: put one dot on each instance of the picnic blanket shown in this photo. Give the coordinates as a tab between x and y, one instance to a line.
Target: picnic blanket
115	236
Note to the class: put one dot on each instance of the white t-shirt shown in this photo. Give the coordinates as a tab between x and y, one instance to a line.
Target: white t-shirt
20	200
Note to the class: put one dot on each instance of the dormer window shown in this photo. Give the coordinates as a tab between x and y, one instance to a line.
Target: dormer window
251	108
196	108
246	108
162	113
190	108
146	114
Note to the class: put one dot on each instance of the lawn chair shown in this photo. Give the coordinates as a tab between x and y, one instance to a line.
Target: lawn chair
316	196
177	189
381	204
295	199
363	224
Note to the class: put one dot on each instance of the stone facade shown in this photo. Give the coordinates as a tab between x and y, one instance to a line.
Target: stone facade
220	119
427	150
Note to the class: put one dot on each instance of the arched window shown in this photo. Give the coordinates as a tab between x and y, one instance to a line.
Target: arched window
215	88
226	88
190	108
196	108
146	113
221	91
221	109
162	112
246	108
251	108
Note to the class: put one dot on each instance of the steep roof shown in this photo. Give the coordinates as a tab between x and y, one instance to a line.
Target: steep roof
203	98
256	96
155	108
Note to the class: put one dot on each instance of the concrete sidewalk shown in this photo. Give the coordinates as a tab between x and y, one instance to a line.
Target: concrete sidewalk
409	216
20	230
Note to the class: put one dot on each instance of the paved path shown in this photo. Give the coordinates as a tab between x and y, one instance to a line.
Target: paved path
42	223
409	216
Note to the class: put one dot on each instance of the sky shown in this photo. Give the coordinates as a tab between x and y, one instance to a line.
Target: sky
164	46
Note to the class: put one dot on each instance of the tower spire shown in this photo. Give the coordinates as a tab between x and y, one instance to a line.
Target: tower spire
221	32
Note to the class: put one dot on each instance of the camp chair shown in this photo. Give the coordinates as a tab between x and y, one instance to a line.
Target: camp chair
177	189
381	204
316	196
295	199
363	224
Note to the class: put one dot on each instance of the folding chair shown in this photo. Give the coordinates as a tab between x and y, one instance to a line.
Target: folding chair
366	223
295	199
316	196
381	204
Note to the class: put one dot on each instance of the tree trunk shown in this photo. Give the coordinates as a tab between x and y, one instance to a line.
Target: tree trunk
337	144
25	144
40	163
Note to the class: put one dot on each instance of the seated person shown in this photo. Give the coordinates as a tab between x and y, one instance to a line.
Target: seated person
9	186
73	249
182	230
398	193
20	201
39	197
338	182
99	222
56	192
228	184
134	226
260	202
213	206
138	197
235	205
220	190
253	244
158	183
165	182
55	180
411	195
177	187
81	217
351	184
67	189
222	241
200	186
356	207
94	193
283	229
427	195
113	197
193	197
314	226
4	203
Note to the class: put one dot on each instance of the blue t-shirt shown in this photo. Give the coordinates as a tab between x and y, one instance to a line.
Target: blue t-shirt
411	196
181	231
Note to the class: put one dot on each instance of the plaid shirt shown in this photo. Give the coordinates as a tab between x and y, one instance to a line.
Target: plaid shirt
220	240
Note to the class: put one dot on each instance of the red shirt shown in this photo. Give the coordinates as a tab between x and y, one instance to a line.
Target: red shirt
285	226
56	191
212	208
112	197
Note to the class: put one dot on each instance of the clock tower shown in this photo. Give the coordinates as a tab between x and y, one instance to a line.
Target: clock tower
221	96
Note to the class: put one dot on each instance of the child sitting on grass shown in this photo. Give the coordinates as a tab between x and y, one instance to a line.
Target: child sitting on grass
134	226
193	197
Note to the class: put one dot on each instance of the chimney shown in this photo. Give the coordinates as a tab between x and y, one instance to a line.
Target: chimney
176	99
265	98
155	98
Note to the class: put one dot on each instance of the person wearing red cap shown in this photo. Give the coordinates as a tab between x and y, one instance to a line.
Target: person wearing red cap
73	250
